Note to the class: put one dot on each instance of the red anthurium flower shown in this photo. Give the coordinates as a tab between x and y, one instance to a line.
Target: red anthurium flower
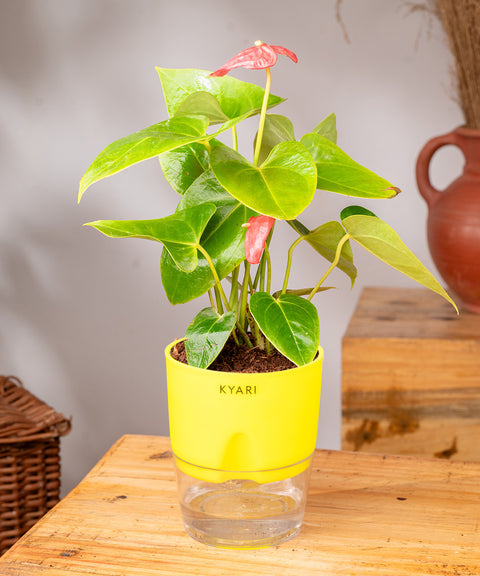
258	229
257	57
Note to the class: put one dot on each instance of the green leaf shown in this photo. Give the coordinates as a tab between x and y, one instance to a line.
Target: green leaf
337	172
290	323
206	336
142	145
327	128
325	239
382	241
277	129
282	187
202	103
223	239
180	287
184	165
180	232
236	99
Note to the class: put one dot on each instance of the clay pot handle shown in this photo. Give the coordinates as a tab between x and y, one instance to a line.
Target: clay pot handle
429	192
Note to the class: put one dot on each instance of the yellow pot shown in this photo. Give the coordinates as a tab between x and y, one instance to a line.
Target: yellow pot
244	423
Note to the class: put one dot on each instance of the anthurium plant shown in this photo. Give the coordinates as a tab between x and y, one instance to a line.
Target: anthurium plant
218	240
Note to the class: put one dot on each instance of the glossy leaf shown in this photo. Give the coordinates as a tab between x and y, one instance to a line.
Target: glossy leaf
207	189
202	103
337	172
290	323
282	187
327	128
325	239
223	239
382	241
206	336
142	145
236	99
277	129
180	232
184	165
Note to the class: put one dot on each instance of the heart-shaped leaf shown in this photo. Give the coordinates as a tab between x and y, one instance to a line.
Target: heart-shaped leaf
184	165
223	239
181	287
382	241
290	323
277	129
142	145
337	172
206	336
236	99
180	232
202	103
325	239
327	128
282	187
230	213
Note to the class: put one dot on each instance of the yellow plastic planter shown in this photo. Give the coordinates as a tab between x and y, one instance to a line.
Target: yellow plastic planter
243	422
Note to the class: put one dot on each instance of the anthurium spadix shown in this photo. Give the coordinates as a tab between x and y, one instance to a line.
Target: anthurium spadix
219	240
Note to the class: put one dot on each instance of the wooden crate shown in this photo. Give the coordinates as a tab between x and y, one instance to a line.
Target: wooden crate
411	376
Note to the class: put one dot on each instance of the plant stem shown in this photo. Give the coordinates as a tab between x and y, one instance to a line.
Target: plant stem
254	284
233	301
234	138
268	346
207	144
244	297
298	227
261	285
212	301
218	298
218	284
332	266
266	251
220	294
263	113
297	292
244	335
289	263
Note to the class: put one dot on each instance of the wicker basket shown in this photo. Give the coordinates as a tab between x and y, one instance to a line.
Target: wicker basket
29	459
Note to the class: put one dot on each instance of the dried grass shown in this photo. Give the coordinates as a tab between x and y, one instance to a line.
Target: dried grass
461	21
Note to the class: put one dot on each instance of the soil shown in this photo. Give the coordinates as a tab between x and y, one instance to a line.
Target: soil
235	358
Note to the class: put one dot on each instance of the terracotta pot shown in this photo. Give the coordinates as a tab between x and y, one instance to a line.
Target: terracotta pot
453	224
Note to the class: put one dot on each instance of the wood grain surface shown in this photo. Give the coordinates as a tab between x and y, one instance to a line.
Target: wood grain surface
411	376
366	515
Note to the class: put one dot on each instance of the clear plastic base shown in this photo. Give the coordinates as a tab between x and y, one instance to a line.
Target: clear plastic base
242	513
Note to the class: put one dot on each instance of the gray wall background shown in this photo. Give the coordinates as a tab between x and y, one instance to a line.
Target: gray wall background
83	319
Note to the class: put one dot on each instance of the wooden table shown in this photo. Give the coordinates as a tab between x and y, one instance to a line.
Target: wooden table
367	514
